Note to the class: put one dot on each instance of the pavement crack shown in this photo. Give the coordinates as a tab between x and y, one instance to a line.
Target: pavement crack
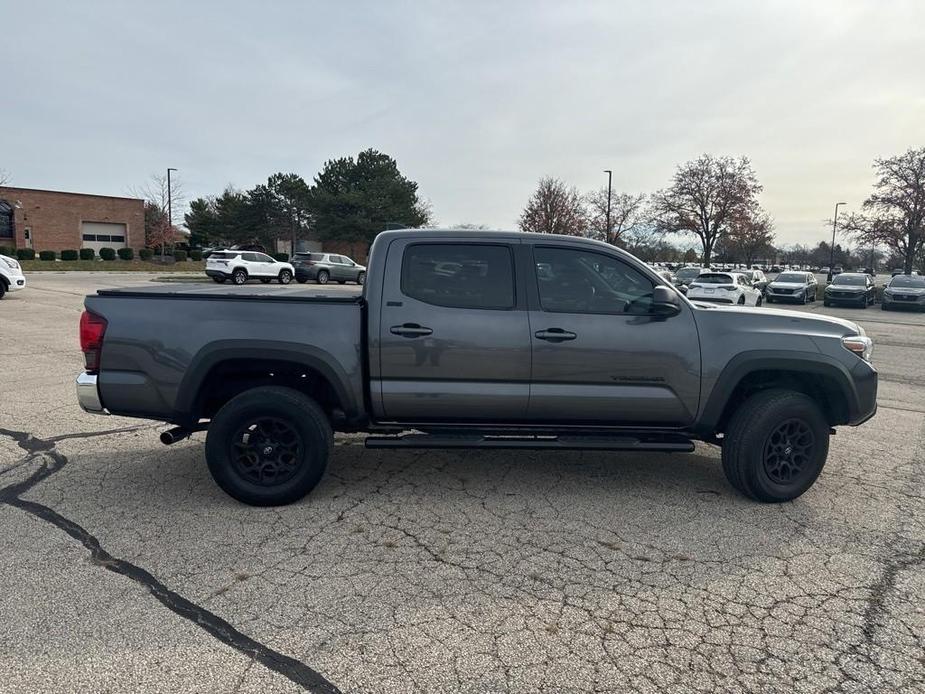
53	461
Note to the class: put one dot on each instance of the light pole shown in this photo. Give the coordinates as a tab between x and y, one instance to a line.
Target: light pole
609	179
832	249
169	200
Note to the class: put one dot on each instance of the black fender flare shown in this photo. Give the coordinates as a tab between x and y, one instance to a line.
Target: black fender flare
749	362
211	355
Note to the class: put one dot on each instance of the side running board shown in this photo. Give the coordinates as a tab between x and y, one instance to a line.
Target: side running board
647	442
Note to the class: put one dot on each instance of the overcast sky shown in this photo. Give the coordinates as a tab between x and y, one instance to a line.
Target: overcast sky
475	100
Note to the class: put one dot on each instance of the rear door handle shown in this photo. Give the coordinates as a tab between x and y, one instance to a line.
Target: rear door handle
410	330
555	335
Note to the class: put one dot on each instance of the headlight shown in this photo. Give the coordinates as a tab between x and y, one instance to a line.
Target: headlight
860	345
11	263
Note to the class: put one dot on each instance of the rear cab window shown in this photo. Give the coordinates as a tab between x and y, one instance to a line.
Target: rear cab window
476	276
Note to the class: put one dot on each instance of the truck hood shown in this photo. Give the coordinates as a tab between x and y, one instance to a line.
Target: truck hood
768	318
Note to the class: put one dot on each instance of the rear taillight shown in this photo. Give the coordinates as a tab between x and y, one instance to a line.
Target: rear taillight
727	287
92	329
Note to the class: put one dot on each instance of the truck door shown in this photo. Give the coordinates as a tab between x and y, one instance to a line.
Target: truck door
599	357
454	341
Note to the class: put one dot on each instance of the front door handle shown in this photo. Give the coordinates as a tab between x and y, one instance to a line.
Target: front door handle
410	330
555	335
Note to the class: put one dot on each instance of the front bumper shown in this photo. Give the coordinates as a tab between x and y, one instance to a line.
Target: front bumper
88	394
864	376
856	299
14	282
892	301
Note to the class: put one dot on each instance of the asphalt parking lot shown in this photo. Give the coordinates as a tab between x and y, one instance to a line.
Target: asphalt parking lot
127	569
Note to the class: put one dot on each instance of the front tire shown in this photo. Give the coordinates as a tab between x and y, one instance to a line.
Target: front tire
285	277
361	278
323	277
2	289
269	446
775	445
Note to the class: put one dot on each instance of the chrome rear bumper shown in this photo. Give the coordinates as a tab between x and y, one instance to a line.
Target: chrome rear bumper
88	394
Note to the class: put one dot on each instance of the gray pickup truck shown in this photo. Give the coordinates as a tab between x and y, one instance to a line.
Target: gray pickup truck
466	339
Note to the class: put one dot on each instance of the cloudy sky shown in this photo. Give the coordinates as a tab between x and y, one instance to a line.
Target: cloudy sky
475	100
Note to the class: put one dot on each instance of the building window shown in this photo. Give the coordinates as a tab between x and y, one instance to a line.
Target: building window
6	220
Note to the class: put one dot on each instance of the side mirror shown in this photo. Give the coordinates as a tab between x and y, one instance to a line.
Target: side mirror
665	302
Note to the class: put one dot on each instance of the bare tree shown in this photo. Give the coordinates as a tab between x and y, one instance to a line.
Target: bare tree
155	191
704	197
894	215
750	234
4	177
627	213
554	208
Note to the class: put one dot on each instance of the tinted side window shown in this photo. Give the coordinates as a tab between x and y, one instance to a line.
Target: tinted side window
250	257
459	275
574	281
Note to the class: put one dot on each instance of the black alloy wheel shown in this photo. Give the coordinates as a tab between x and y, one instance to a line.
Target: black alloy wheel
788	450
266	451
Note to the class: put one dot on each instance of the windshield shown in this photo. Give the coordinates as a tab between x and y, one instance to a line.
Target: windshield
908	281
790	277
851	280
714	278
687	273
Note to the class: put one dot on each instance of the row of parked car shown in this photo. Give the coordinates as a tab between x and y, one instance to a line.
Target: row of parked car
241	266
752	288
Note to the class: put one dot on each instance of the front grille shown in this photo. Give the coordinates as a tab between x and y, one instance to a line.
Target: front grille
782	291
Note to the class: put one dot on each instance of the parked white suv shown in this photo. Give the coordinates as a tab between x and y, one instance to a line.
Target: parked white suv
11	277
724	288
240	266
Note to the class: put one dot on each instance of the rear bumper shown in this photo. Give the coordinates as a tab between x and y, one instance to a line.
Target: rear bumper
711	299
218	273
306	273
88	394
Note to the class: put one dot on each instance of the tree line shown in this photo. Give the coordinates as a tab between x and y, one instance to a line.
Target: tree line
714	199
350	200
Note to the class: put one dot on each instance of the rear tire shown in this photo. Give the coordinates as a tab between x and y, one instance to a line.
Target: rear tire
775	445
2	289
323	277
239	276
741	301
269	446
361	278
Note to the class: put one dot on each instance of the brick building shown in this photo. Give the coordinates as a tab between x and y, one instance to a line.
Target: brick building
48	220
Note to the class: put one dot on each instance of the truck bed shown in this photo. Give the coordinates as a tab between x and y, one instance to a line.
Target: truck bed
162	342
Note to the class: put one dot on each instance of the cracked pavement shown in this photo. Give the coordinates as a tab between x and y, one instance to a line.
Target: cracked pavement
127	569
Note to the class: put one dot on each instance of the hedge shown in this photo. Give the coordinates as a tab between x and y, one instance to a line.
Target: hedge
195	255
179	256
87	253
281	257
108	253
47	255
126	253
146	254
25	254
8	250
69	255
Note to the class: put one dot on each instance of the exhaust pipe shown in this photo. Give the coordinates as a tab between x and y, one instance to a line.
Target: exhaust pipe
173	435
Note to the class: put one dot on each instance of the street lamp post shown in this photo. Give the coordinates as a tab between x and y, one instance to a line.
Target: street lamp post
832	249
609	180
169	200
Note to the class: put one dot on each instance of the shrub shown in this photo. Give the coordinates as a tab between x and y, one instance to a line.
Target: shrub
195	255
179	256
145	254
25	254
47	255
8	251
108	253
69	255
281	257
87	253
126	253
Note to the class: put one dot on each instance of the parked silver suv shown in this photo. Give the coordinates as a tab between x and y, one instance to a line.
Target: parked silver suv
324	267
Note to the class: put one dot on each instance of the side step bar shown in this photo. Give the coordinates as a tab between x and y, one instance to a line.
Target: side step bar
678	444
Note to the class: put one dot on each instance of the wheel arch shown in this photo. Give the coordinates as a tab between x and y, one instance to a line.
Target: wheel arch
819	376
321	367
